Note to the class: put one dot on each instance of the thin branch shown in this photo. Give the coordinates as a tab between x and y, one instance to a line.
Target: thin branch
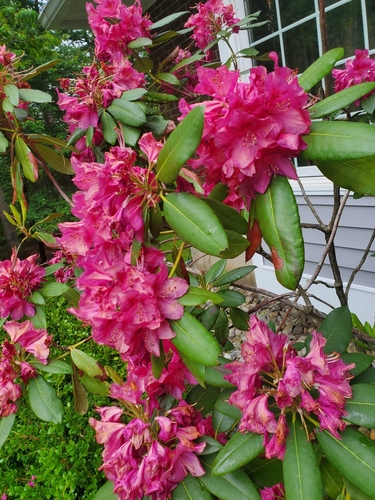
55	183
309	204
360	264
318	227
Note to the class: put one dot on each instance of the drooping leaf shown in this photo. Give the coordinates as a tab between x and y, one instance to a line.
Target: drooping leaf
53	366
195	296
353	455
238	451
85	362
340	100
229	218
54	289
44	401
302	477
27	159
106	492
33	95
320	68
361	406
332	479
6	424
81	402
361	360
127	112
231	276
356	175
180	145
237	245
55	160
203	398
108	127
278	217
193	340
194	221
235	485
191	488
337	329
339	141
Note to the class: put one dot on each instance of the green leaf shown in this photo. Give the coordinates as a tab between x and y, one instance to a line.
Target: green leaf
39	318
36	298
7	106
55	160
127	112
232	276
235	485
229	218
249	52
180	145
221	422
187	61
133	94
159	97
6	424
195	368
169	78
53	366
332	479
12	93
195	296
339	140
203	398
215	376
361	406
85	363
356	175
94	385
362	361
81	402
353	455
221	328
337	329
108	128
240	318
76	135
219	192
193	340
106	492
209	316
212	446
167	20
320	68
238	451
156	124
354	493
369	104
32	95
231	298
54	289
4	143
191	488
367	377
302	478
237	244
139	43
264	472
26	158
72	296
45	237
44	401
194	221
340	100
279	222
40	69
216	270
131	134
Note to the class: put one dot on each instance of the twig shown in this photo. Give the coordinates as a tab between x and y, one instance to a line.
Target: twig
309	204
360	264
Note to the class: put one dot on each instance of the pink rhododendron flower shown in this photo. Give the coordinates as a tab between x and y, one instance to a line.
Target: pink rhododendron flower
251	130
212	17
18	280
9	390
6	57
273	369
358	70
274	493
31	339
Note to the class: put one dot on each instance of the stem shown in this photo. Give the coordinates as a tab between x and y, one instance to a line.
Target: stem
177	261
234	58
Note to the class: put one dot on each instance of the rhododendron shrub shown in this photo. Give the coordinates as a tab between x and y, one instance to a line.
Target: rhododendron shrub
191	418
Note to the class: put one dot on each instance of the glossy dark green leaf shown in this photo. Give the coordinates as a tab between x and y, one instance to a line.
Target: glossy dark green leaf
212	446
191	488
219	192
193	340
209	316
54	289
367	377
85	363
231	298
195	296
279	222
156	124
302	479
229	218
180	145
265	473
237	245
6	424
39	318
108	127
72	297
216	270
55	160
33	95
215	376
222	423
353	455
223	406
158	97
356	175
187	61
203	398
320	68
94	385
76	135
238	451
354	492
361	406
127	112
337	329
240	319
221	328
233	486
369	104
105	492
44	401
195	368
232	276
53	366
362	361
339	140
333	481
194	221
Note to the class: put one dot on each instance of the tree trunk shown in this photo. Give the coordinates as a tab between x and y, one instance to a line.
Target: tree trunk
10	232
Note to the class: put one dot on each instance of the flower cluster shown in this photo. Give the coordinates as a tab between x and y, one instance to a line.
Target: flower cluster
211	18
276	492
150	456
25	339
18	280
272	374
358	70
251	129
